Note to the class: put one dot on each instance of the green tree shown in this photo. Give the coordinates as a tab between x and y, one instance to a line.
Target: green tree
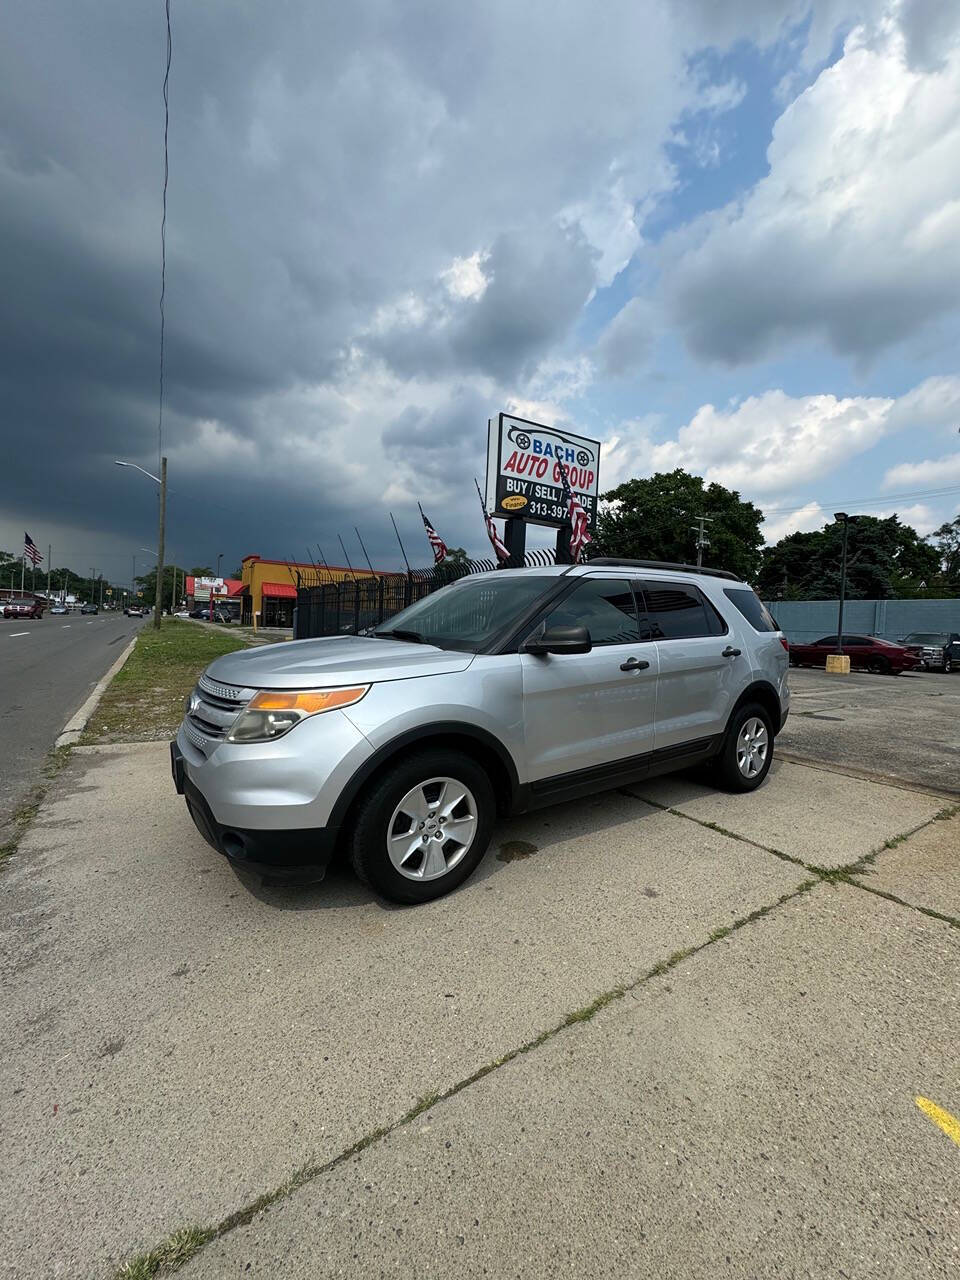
147	583
456	558
201	571
885	558
946	543
650	518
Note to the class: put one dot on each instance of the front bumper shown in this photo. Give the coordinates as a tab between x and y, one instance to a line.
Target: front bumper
279	857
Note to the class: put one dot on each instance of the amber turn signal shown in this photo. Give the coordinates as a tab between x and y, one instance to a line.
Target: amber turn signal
307	702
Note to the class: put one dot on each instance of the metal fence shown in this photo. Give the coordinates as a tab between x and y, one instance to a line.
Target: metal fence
353	606
804	621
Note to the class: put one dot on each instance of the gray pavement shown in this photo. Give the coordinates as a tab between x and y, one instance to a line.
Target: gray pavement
905	727
48	667
175	1042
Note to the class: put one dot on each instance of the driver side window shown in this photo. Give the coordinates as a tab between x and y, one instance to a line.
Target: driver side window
605	606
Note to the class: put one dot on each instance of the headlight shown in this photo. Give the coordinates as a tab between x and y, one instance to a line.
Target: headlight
270	714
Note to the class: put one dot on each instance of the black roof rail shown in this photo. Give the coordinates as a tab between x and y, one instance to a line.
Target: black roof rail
616	562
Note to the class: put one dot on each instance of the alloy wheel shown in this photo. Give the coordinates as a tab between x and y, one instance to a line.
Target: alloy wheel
432	828
753	743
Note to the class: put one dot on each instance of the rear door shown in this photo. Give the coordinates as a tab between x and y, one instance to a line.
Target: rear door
581	711
698	681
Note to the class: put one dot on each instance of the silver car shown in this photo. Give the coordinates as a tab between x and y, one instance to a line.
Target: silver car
503	692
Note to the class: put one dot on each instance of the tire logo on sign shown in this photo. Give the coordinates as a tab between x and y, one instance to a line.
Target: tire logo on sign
514	502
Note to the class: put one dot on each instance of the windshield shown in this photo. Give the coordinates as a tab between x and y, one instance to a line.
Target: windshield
926	637
470	612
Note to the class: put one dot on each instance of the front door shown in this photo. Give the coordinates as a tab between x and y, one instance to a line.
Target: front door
698	684
584	710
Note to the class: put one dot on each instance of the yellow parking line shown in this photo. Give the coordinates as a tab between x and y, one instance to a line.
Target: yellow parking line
948	1123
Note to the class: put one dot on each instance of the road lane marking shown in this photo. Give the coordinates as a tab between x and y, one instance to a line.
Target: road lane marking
948	1123
65	626
14	634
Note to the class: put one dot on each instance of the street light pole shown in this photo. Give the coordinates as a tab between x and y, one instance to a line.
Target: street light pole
161	480
842	517
219	558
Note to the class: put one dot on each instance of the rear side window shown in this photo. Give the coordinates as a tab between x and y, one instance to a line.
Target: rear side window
752	607
605	606
677	611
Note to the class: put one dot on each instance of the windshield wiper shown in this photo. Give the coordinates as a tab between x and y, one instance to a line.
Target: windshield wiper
399	633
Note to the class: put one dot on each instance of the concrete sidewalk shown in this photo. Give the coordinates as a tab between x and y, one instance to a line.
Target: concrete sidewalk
176	1042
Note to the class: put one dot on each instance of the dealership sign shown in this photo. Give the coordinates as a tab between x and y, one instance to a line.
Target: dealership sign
523	471
203	587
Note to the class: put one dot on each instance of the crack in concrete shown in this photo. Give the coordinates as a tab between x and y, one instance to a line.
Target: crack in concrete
182	1245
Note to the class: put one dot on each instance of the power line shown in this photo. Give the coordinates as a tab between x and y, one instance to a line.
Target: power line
163	223
880	501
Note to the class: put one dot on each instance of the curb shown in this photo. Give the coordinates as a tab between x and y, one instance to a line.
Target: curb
76	724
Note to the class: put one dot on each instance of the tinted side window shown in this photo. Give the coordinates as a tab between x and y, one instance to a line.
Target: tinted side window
826	640
857	639
752	608
677	611
604	605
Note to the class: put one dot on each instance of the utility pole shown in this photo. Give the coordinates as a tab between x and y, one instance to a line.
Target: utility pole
93	585
702	539
158	609
49	563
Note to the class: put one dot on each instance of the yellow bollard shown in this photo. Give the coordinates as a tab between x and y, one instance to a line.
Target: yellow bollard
838	664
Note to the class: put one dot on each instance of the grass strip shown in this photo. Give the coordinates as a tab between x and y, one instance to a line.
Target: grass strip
144	701
171	1254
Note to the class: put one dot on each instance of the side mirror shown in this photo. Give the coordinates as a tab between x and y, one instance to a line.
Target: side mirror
558	640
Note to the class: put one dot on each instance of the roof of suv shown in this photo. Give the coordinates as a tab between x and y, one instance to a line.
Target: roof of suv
610	562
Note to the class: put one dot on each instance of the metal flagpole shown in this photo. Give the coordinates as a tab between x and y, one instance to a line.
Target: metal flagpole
347	558
23	565
323	561
397	532
364	550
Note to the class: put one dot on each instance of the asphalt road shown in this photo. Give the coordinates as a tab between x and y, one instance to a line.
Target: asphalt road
904	727
48	667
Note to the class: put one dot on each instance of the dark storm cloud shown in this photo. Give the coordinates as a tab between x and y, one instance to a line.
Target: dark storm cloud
326	163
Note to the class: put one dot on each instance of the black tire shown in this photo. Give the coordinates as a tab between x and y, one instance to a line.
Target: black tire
727	771
879	667
947	666
368	845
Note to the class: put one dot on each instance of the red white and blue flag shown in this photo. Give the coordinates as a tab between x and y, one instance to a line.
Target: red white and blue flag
30	550
438	544
579	530
495	540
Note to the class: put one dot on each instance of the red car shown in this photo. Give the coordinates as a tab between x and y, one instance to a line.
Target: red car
866	653
23	609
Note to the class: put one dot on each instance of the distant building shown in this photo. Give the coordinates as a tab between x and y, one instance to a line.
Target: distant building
269	587
227	599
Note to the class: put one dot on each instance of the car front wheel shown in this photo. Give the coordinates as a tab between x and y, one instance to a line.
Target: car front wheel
423	826
747	750
947	666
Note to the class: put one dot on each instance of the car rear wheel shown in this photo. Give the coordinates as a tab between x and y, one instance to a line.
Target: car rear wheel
423	826
747	750
879	666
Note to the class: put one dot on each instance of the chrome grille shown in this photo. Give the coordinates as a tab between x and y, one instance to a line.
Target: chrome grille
214	707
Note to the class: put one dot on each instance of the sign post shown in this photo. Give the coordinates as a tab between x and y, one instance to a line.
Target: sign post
524	482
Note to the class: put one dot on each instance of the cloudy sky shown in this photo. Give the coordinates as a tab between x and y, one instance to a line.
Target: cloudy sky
718	236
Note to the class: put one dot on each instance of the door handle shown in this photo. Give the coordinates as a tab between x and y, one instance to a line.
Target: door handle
730	652
634	664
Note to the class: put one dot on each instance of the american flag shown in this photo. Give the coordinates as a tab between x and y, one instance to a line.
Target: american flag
30	550
438	544
579	533
495	539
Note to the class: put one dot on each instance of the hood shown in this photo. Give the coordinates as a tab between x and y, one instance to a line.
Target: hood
334	660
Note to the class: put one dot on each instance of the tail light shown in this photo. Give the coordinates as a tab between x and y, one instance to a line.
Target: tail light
785	642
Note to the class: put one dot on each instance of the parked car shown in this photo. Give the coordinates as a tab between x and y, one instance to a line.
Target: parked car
23	608
133	611
866	653
89	608
935	648
59	609
502	692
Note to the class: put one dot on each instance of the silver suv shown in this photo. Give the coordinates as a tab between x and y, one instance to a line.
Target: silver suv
503	692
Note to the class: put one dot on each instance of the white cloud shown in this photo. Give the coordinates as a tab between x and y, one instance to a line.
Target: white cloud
773	441
934	473
464	278
807	518
854	234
